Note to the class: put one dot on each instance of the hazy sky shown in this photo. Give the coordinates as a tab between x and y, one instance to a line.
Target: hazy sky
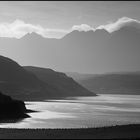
59	17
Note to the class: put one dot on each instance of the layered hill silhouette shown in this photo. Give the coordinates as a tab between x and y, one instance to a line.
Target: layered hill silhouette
87	52
25	85
64	85
111	83
17	82
91	51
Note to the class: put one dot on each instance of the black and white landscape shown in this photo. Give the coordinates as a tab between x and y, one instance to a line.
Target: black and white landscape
69	69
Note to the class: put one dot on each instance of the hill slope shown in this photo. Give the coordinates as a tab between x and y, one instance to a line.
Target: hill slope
65	85
17	82
25	85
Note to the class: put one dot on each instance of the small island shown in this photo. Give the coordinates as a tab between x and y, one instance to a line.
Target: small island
11	108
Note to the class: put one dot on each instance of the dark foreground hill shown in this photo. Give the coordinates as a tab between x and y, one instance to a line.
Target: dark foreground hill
23	84
115	83
64	85
11	109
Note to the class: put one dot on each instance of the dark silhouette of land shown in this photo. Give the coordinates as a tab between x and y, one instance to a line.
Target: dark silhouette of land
112	132
11	109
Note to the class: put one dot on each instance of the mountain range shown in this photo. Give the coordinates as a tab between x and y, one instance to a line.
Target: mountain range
85	52
91	52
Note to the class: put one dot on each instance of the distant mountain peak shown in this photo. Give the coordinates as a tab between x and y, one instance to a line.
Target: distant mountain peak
33	35
101	31
76	32
91	33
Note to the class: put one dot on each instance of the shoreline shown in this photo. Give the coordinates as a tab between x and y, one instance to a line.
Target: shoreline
130	131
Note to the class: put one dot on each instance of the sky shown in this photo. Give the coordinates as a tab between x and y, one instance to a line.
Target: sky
54	19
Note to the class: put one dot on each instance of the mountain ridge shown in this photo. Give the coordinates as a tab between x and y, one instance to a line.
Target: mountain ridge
89	52
19	83
60	81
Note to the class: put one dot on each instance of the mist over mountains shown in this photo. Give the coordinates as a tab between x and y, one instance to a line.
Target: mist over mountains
110	83
90	52
79	51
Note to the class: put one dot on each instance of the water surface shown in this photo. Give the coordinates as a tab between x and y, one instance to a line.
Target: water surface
102	110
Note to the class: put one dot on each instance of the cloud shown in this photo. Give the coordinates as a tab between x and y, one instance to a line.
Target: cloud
124	21
82	27
19	28
110	27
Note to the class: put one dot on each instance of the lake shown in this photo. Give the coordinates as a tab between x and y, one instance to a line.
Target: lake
81	112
